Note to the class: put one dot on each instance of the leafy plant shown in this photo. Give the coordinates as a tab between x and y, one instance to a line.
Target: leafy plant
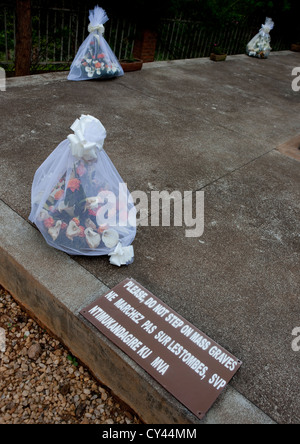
218	50
73	360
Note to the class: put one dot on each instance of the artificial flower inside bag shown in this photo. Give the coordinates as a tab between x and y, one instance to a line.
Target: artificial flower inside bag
79	202
260	46
95	59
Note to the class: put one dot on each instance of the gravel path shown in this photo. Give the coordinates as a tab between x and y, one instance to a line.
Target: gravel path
42	383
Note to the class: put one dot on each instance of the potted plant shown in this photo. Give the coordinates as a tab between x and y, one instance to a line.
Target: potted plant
218	54
131	64
296	47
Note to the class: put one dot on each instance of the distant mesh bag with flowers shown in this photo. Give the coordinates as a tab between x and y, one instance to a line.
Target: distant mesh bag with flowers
95	59
80	203
260	46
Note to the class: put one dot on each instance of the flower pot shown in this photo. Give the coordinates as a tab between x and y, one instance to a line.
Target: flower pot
218	57
131	65
295	47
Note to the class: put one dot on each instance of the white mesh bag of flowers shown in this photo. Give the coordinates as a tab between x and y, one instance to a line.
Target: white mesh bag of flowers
79	202
260	45
95	59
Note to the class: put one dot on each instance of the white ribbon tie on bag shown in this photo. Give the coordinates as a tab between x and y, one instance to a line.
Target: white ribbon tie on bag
98	28
88	137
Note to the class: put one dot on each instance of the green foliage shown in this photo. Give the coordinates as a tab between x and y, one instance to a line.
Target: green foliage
214	16
144	12
7	38
212	13
221	10
73	360
218	50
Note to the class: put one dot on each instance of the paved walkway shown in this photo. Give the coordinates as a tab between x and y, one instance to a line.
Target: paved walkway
187	126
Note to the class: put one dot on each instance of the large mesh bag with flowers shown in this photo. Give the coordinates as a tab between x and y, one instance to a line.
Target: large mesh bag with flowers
95	59
79	202
260	45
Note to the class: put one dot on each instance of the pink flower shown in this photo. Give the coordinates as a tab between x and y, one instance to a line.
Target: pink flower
81	231
81	170
59	194
49	222
74	184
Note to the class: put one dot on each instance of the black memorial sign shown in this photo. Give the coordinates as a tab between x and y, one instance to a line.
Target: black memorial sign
185	361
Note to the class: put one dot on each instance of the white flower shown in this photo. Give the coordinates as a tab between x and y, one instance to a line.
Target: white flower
69	210
90	224
43	215
54	231
38	197
114	68
93	239
122	255
73	230
110	238
91	203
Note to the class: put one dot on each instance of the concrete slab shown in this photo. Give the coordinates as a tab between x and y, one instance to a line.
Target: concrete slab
53	288
239	281
191	125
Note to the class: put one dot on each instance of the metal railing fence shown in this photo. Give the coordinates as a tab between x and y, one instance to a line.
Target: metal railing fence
57	34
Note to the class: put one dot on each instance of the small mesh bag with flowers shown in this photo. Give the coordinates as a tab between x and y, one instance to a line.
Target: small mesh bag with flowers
260	45
79	202
95	59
